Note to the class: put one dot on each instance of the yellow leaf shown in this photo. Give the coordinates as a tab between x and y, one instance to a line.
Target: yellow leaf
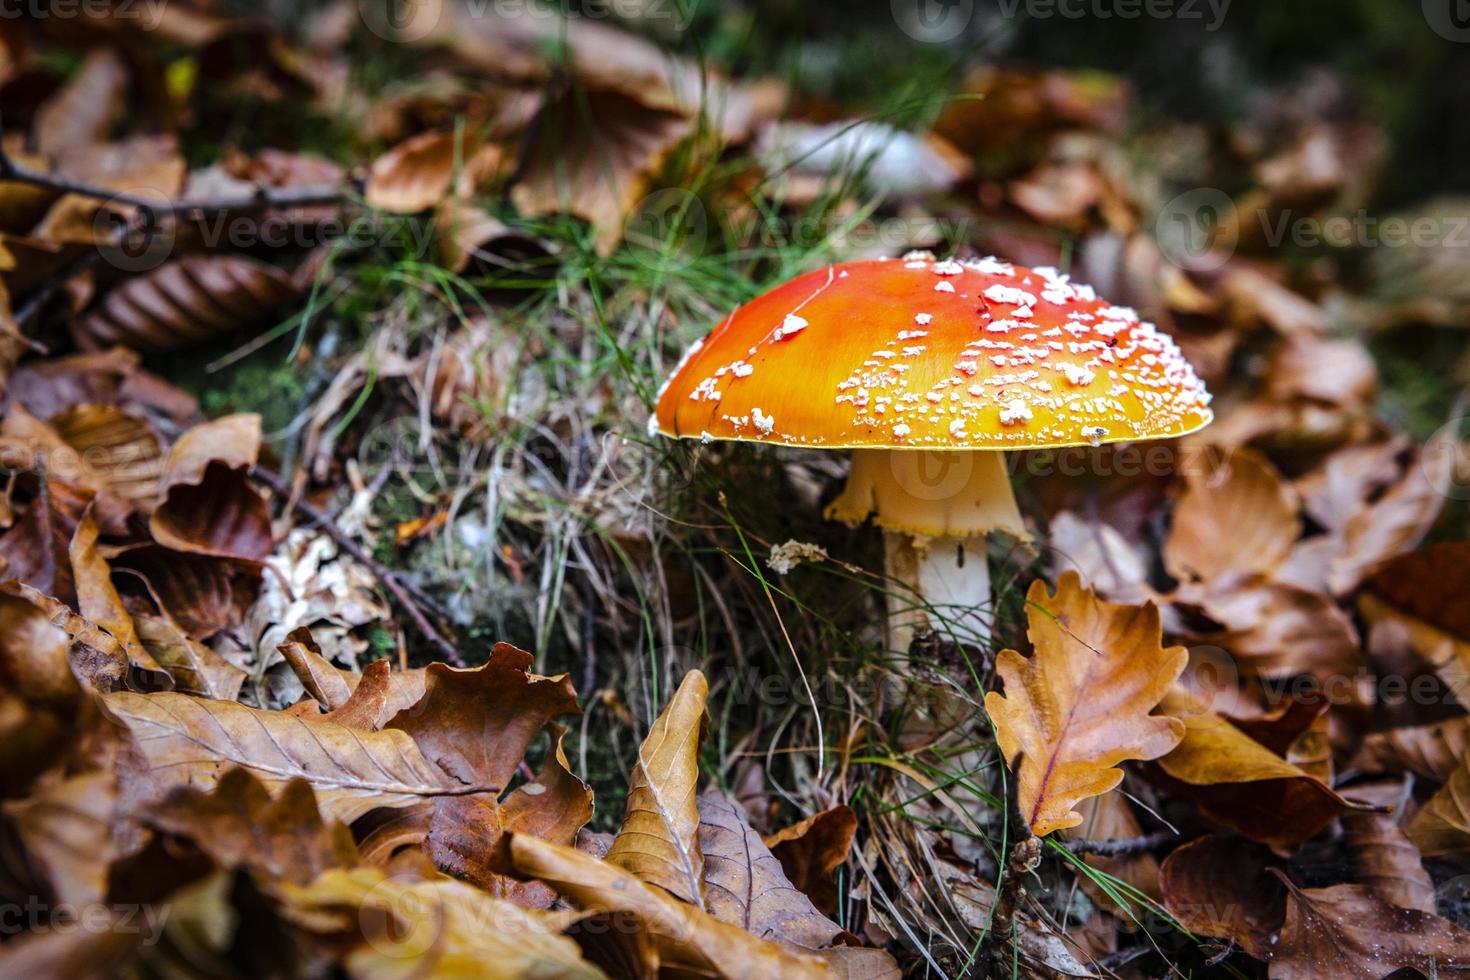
1080	704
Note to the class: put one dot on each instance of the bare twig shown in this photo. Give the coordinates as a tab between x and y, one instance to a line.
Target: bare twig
1021	860
387	576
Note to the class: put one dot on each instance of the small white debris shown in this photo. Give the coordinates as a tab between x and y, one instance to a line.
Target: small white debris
742	369
705	438
653	425
1095	434
949	267
1014	411
1000	326
957	429
785	557
792	324
1022	312
1077	374
923	319
762	421
918	255
900	430
944	287
992	266
999	293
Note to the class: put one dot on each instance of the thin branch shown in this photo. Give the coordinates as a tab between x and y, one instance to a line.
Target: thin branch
1121	846
387	576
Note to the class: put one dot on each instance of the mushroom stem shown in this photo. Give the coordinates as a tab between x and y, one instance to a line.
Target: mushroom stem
935	509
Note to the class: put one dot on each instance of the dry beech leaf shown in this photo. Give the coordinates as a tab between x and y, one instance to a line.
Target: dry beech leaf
1081	703
369	707
1386	861
97	598
1276	630
593	154
67	827
96	658
466	839
812	850
1350	932
1102	556
1242	783
183	741
1220	886
183	302
1429	751
37	548
687	937
200	593
238	824
329	685
1441	828
1236	516
119	446
194	667
440	928
658	841
34	649
418	173
209	506
476	724
1419	594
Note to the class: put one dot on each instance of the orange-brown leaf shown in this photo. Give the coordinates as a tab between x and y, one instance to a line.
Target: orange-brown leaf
1081	703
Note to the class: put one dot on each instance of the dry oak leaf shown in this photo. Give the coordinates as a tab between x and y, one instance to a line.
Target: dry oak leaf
435	928
476	724
1220	886
1236	516
811	851
1081	703
238	824
1441	828
186	741
1349	932
418	173
659	839
209	506
687	937
183	302
1242	783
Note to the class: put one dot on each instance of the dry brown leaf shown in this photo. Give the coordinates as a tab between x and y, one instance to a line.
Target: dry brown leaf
1386	861
95	658
1242	783
1220	886
119	446
1081	703
1441	828
659	841
97	598
687	937
1235	517
1108	817
194	667
37	548
592	157
812	850
183	302
80	116
439	928
202	594
209	506
1349	932
186	741
1276	630
327	684
745	885
238	824
67	827
1428	751
419	173
477	724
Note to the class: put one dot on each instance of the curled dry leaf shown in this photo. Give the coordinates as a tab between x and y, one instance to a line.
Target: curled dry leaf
477	724
687	937
119	446
1350	931
1242	783
659	841
98	600
812	850
439	928
329	685
592	156
67	828
183	302
182	741
1429	751
1419	595
209	506
202	594
1278	630
1220	886
238	824
1081	703
1441	828
1236	516
418	173
194	667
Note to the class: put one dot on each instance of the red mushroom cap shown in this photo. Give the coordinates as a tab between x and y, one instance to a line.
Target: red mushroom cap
914	353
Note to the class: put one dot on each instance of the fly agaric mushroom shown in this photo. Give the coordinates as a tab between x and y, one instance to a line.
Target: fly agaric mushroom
924	370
